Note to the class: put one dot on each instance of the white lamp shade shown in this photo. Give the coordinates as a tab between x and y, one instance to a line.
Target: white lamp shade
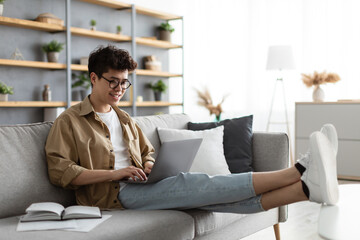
280	57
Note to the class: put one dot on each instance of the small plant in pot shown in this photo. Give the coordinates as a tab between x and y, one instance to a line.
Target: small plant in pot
93	24
52	50
165	30
1	7
83	83
159	87
118	29
5	91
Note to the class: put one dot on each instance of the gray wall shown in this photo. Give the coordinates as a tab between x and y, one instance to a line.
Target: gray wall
28	82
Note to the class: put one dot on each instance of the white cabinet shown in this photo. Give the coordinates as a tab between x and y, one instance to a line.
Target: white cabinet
345	116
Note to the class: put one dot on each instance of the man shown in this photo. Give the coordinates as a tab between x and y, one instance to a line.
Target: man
94	143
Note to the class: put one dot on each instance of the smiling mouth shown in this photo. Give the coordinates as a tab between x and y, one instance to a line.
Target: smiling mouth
115	95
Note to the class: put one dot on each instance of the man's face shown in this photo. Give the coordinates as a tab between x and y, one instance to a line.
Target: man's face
102	88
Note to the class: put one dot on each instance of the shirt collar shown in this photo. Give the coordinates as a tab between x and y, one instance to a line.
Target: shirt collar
86	108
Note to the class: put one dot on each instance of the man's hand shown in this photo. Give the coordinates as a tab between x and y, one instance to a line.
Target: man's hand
129	172
148	166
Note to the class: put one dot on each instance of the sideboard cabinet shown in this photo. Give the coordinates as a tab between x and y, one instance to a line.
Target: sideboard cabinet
345	116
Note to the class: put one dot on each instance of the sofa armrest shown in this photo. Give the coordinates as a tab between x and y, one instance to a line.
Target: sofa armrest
270	153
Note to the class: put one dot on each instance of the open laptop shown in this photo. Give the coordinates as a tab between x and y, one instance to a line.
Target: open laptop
174	157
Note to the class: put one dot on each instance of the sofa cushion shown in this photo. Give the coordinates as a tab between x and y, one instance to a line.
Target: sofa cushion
23	170
210	157
206	221
149	124
123	225
237	141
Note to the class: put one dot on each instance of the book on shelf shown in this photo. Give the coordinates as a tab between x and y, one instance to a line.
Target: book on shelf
47	211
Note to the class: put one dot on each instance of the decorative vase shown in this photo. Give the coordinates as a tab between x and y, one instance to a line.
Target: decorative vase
318	94
93	28
165	35
3	97
53	57
157	95
1	9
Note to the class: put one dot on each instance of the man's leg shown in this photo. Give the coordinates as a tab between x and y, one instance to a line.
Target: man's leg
188	190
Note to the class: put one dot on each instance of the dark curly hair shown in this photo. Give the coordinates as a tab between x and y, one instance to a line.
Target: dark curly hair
102	59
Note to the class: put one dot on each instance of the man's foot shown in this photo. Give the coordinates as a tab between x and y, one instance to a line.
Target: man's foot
320	176
330	132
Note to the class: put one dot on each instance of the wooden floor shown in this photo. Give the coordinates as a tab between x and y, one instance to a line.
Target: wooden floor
301	223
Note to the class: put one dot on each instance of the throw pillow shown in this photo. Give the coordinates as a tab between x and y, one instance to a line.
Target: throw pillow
210	158
237	141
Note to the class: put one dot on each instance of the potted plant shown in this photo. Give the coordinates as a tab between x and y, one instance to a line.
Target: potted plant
159	87
52	50
93	24
118	29
83	82
316	79
165	31
1	7
5	91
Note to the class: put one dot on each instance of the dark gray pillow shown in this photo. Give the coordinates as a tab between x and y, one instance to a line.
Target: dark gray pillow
237	141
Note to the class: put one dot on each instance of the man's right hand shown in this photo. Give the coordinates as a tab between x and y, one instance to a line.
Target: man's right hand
129	172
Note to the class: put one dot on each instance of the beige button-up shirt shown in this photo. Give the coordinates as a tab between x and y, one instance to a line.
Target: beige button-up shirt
79	140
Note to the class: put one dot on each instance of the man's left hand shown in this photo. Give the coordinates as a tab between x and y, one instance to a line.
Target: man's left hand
148	166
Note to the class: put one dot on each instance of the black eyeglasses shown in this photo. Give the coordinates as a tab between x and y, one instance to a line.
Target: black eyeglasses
115	83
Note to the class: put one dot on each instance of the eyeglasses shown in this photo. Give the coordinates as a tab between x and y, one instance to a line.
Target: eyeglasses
115	83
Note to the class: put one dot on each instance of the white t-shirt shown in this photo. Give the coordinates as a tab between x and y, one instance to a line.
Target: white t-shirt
121	151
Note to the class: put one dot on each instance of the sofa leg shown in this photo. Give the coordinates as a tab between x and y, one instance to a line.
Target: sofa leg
277	231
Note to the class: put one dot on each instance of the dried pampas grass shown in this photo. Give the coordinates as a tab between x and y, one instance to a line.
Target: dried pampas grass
206	101
319	78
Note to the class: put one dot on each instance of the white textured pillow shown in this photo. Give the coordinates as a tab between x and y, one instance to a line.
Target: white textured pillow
210	158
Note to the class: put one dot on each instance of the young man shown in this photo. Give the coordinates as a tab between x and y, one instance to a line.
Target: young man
94	143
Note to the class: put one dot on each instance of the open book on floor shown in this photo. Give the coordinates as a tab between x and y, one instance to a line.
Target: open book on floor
55	211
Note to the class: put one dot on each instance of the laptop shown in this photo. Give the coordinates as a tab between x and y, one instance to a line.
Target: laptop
174	157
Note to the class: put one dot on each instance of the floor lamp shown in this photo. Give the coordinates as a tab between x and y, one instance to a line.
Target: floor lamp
280	58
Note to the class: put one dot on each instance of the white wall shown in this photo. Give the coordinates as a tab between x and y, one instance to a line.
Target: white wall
226	46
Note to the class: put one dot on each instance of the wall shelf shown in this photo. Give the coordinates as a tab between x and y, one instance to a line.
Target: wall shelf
32	64
156	43
98	34
34	25
32	104
157	104
141	10
145	72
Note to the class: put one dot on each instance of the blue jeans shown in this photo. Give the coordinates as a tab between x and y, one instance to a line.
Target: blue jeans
221	193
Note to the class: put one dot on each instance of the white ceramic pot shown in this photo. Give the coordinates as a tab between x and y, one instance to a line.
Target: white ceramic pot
1	9
318	94
53	57
4	97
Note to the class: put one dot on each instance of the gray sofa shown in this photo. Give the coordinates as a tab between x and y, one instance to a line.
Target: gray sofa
24	180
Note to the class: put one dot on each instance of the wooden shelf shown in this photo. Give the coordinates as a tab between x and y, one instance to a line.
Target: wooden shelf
145	72
157	104
15	22
140	10
98	34
48	104
156	43
109	3
31	64
32	104
78	67
156	14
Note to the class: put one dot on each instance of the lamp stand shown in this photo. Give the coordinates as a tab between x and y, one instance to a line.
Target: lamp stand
280	81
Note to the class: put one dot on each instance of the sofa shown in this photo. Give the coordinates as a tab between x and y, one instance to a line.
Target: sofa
24	180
